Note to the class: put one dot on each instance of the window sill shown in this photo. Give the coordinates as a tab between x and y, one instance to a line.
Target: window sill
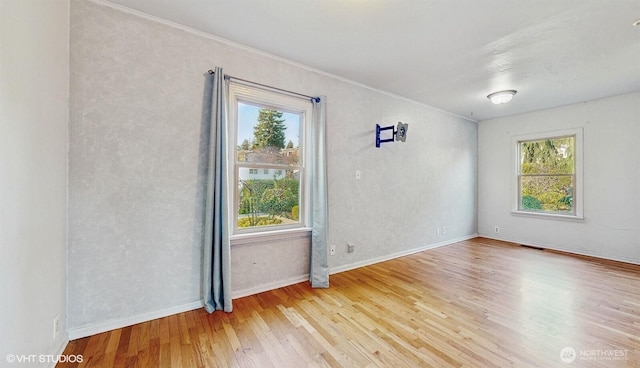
549	216
269	236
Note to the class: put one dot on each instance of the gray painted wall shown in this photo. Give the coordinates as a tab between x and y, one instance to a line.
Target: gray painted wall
611	228
136	178
34	117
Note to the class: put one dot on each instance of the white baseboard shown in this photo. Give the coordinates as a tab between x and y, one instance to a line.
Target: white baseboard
582	253
389	257
101	327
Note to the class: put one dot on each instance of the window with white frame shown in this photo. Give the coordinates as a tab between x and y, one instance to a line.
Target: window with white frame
269	170
548	177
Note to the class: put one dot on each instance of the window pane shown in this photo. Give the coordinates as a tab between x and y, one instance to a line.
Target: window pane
266	201
268	136
547	156
546	193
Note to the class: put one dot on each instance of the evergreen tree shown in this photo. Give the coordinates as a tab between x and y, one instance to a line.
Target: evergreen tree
269	131
245	145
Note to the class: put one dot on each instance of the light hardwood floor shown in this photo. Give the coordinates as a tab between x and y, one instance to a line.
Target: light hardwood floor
478	303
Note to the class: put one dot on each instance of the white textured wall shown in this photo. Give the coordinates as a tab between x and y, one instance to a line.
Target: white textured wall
611	228
34	90
136	176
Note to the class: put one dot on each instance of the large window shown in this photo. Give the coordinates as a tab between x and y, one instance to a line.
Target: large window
548	174
269	159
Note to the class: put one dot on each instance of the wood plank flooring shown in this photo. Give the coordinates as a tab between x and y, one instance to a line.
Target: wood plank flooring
478	303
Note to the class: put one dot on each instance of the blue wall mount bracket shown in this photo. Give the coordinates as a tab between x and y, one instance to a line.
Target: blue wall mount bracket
399	134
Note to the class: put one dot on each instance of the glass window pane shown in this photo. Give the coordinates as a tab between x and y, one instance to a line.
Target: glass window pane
546	193
268	136
264	201
548	156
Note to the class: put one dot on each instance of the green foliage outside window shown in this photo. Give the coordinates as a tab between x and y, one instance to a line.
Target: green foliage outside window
547	169
264	202
531	203
258	221
267	202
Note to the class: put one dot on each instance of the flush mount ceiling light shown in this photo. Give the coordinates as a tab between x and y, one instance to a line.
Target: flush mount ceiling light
502	97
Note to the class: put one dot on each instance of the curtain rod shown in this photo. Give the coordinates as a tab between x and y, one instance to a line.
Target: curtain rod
228	77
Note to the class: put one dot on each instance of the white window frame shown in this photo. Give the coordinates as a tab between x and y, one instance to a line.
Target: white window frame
578	191
239	92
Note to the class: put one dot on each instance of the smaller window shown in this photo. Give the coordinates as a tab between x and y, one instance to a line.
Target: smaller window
266	171
253	171
548	174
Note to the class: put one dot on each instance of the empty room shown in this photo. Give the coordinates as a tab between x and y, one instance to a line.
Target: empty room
335	183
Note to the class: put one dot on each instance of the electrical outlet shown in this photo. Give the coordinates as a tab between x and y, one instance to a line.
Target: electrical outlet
56	326
350	247
444	230
357	174
497	229
332	250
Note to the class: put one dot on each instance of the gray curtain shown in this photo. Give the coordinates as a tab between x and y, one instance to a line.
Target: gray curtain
319	270
216	263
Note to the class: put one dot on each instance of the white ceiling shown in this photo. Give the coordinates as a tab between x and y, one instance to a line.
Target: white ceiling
445	53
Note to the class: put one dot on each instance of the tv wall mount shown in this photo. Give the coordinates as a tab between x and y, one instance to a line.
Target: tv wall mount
399	133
